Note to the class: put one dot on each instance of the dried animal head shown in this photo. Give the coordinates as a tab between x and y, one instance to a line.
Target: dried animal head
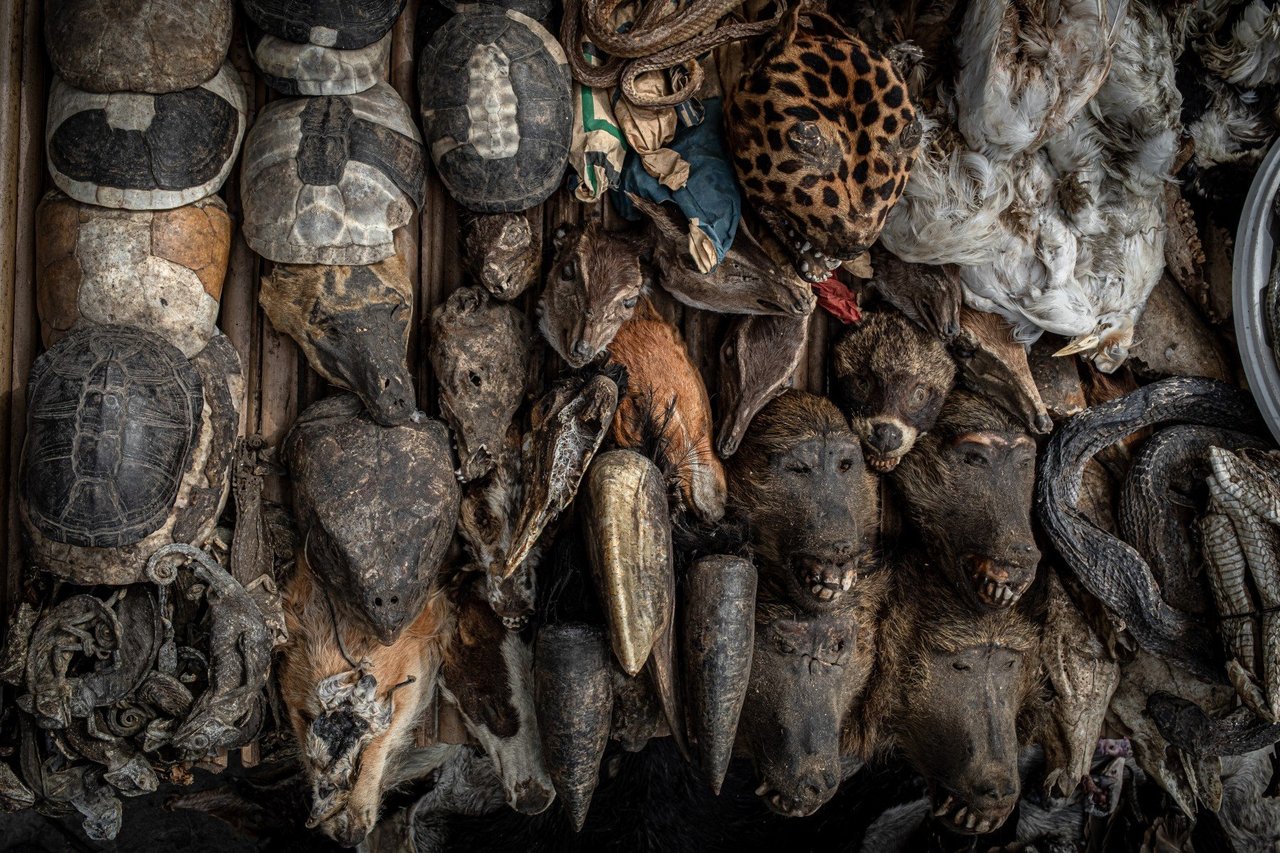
352	323
593	287
929	295
968	489
665	395
800	479
376	509
823	137
569	422
480	355
993	363
804	678
501	254
353	715
746	281
757	359
960	680
487	672
890	378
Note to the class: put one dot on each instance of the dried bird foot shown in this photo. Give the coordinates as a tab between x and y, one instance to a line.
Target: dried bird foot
573	696
1226	567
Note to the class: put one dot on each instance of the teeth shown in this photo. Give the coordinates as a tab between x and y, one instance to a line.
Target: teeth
804	266
763	789
806	247
832	263
818	254
983	827
817	589
847	583
970	821
958	817
945	807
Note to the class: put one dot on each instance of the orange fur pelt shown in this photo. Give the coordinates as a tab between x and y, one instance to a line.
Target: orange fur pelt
665	394
353	702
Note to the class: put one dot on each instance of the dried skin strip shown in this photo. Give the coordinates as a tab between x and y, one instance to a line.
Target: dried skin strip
1226	569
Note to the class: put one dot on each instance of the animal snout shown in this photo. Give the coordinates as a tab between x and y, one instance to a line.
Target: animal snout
885	437
1023	553
531	797
583	350
844	549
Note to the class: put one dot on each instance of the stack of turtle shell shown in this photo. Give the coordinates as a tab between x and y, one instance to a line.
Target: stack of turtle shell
134	407
145	121
328	177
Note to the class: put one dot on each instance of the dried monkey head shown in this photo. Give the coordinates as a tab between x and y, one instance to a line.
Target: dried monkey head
961	680
968	490
757	359
890	378
591	290
502	254
376	508
480	355
804	677
352	323
800	479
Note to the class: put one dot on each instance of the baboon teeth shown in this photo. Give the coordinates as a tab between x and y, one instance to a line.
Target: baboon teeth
958	817
971	821
983	827
762	789
945	807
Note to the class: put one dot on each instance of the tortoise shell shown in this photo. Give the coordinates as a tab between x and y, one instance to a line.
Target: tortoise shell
308	69
497	109
160	270
137	45
145	152
344	24
376	508
327	180
114	413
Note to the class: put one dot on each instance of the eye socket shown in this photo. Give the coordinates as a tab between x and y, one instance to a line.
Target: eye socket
568	271
961	667
729	353
474	379
805	137
786	648
839	646
1010	664
977	460
630	303
799	468
919	397
845	465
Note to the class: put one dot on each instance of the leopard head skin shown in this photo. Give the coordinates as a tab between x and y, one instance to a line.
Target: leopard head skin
823	137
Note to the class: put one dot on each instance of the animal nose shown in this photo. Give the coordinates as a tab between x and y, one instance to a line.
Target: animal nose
886	437
582	350
995	788
531	797
844	548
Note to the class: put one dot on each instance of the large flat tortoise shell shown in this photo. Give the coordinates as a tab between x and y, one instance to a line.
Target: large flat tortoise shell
113	415
497	109
145	152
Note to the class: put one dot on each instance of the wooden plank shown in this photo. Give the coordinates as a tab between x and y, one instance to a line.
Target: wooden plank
12	20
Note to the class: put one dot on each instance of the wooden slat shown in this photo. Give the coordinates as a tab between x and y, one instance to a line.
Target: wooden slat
12	19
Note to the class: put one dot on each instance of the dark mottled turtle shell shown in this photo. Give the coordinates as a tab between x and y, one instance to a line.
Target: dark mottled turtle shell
145	152
344	24
497	109
114	413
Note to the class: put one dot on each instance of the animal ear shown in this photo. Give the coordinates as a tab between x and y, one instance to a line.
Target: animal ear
562	235
782	36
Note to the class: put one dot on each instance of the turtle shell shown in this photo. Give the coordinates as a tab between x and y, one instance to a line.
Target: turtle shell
145	152
344	24
160	270
376	508
327	180
137	45
308	69
116	417
497	109
114	413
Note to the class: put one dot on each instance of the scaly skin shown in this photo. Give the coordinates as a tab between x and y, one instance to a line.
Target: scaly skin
1110	569
1165	473
1185	725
